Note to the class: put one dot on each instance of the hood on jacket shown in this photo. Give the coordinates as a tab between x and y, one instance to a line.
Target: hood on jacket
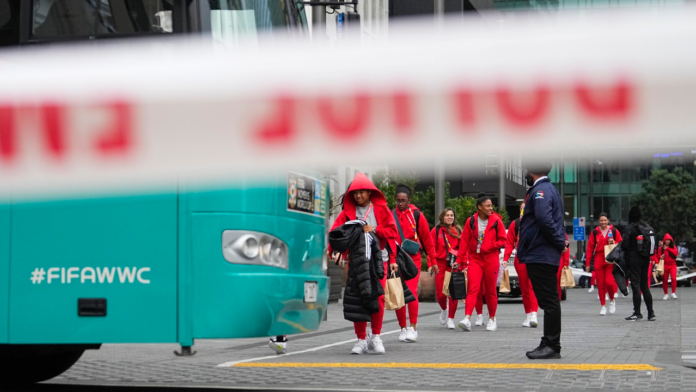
362	182
669	237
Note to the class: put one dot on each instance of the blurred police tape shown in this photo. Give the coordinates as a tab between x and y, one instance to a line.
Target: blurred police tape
149	113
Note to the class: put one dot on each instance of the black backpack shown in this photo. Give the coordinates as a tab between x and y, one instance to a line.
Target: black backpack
648	245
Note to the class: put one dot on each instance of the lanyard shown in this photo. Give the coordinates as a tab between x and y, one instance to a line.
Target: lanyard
444	235
367	213
412	222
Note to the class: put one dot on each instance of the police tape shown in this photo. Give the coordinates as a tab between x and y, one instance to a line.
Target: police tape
151	113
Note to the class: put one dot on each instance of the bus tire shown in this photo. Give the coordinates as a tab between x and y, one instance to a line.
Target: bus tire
39	367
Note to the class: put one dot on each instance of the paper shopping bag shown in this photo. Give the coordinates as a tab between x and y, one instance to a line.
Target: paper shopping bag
446	283
567	279
394	293
505	282
607	250
660	269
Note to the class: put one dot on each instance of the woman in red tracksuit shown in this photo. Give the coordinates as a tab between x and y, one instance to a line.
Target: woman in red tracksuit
529	300
418	232
604	234
446	236
565	263
483	236
668	253
364	201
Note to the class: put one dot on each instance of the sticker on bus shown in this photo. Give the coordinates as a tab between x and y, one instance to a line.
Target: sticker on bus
306	194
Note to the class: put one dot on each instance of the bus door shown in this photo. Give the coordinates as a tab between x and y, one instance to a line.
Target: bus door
99	270
4	269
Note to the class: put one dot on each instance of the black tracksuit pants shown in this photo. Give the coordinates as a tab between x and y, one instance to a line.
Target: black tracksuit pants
638	272
545	284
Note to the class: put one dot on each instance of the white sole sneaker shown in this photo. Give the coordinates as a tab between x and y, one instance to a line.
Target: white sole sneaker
666	297
612	307
403	334
603	312
360	348
450	324
465	325
443	317
479	321
674	296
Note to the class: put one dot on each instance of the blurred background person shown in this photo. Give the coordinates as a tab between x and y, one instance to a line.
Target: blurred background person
604	234
668	254
413	226
446	236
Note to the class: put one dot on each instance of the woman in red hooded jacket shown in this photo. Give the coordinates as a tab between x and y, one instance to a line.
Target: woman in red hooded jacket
364	201
417	231
668	253
604	234
446	236
479	248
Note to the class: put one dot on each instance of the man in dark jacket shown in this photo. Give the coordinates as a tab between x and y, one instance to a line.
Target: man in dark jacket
541	241
637	264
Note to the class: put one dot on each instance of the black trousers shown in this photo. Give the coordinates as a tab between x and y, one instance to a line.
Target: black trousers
545	285
638	273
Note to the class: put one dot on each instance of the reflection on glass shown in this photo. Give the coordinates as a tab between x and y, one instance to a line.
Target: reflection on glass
92	18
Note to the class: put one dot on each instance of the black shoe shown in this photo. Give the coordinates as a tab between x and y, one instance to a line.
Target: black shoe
541	346
651	317
634	317
545	353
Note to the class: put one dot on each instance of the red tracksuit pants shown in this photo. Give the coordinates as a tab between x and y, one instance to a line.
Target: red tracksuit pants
558	278
377	318
413	305
482	274
439	282
670	271
529	300
605	281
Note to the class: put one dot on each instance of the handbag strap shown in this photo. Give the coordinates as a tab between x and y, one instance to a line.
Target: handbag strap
398	225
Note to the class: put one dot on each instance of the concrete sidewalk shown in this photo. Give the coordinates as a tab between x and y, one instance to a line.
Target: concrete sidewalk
588	339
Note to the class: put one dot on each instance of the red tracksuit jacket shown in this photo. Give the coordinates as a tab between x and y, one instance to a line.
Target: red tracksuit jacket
386	230
511	240
408	225
437	234
493	239
595	244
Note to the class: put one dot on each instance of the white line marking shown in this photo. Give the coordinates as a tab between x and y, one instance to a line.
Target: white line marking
232	363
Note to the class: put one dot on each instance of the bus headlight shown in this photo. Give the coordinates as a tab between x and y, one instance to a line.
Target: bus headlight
250	247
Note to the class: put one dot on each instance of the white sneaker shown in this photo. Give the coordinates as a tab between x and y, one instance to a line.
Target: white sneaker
612	307
533	322
375	346
525	323
666	297
591	289
674	295
278	347
443	316
603	312
465	324
450	323
479	320
411	335
492	326
360	347
402	334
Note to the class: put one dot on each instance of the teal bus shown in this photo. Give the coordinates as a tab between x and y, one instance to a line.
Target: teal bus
172	264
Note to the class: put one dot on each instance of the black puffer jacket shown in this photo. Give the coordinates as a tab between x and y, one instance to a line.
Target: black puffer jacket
365	270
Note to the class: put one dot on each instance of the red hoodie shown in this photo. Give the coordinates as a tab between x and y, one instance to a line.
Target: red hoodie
385	230
493	240
408	225
670	252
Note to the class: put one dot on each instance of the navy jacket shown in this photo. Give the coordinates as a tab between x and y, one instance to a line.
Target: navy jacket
542	233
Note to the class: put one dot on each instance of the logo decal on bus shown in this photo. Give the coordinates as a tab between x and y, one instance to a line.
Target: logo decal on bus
88	274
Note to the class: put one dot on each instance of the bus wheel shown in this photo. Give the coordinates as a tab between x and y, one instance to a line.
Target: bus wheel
39	367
